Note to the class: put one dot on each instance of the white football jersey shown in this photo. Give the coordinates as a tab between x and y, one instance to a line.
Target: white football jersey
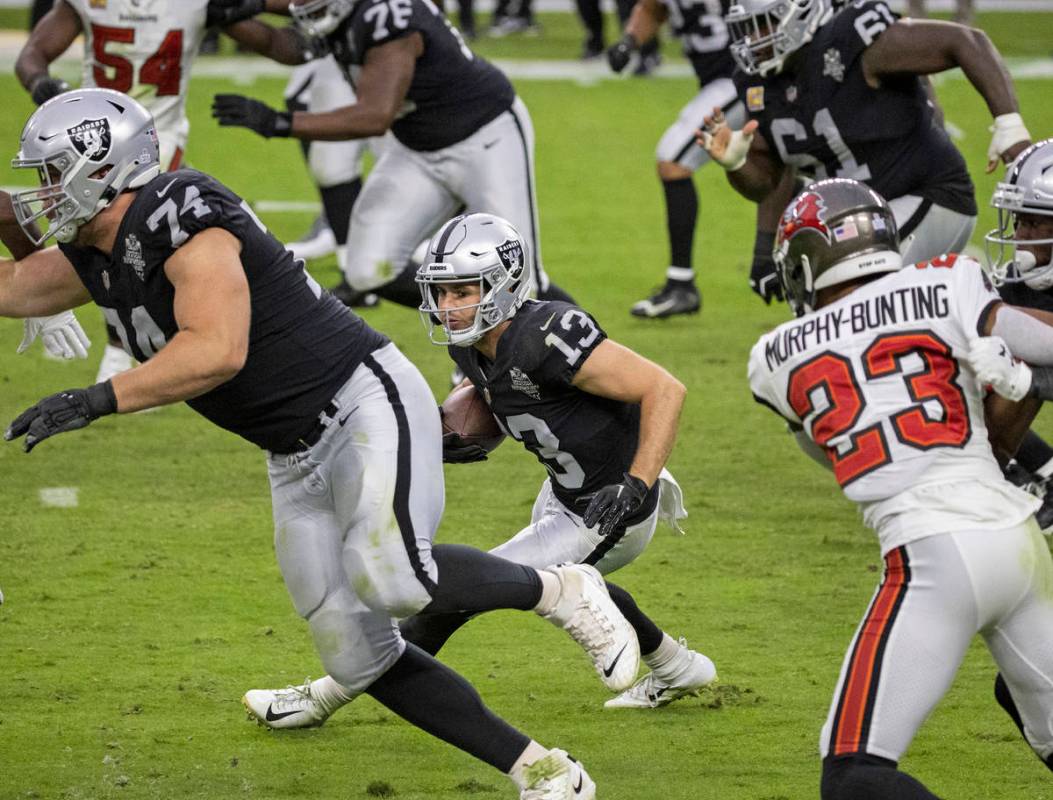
878	380
145	48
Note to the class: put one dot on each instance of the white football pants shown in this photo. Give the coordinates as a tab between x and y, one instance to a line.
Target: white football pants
678	144
936	593
355	515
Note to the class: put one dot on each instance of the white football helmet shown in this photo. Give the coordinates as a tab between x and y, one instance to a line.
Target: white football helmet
764	33
474	248
87	146
1027	189
319	18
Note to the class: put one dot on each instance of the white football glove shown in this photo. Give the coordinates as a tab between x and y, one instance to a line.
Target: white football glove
1008	129
62	335
727	147
994	365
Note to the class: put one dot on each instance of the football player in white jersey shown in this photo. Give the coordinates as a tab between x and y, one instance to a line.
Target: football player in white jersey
873	377
145	49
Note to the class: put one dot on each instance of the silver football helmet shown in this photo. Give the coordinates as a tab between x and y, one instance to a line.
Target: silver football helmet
1026	190
834	231
319	18
764	33
474	248
87	146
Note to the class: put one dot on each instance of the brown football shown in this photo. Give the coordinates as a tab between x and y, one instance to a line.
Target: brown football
465	413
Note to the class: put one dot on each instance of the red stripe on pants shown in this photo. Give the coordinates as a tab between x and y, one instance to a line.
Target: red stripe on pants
860	683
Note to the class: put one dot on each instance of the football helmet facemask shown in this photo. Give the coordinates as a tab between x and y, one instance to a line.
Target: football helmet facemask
87	146
1027	189
834	231
480	249
764	33
319	18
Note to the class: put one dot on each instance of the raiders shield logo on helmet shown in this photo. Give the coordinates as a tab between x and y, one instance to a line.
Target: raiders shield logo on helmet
511	255
91	138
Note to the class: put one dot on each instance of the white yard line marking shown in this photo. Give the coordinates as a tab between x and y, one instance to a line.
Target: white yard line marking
59	496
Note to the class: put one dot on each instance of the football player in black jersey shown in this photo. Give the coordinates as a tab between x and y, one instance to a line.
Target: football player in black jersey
461	137
842	95
704	36
222	317
1020	252
600	418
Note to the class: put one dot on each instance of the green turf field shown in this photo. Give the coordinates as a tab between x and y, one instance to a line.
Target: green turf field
135	620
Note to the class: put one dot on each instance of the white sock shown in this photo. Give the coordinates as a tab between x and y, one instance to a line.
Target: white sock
533	752
330	694
665	655
681	274
550	591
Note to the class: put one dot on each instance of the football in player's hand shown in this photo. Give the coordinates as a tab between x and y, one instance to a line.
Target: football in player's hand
466	415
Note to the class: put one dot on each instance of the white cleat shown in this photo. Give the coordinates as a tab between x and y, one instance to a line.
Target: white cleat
557	776
585	611
318	242
281	709
652	691
114	362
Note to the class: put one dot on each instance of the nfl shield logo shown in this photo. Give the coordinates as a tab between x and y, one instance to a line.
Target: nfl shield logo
91	138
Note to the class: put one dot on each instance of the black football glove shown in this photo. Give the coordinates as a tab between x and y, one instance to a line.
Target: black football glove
45	87
65	411
619	53
613	503
244	112
227	12
456	451
763	279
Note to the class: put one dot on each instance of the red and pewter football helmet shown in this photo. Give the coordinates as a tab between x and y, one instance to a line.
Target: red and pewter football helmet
834	231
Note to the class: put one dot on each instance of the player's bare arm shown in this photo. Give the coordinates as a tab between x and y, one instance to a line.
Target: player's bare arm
645	19
52	36
381	87
283	45
212	308
752	168
617	373
923	47
36	283
1007	422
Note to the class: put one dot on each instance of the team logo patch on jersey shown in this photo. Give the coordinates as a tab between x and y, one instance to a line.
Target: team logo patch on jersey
805	214
91	138
133	255
755	98
521	383
511	255
832	65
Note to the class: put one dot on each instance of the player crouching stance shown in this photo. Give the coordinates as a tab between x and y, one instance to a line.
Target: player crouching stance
599	417
874	378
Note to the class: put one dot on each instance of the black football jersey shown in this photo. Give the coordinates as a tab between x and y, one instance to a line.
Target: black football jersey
820	115
1020	294
453	93
584	441
303	343
699	24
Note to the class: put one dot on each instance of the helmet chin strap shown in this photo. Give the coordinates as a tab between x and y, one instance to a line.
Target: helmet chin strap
1025	263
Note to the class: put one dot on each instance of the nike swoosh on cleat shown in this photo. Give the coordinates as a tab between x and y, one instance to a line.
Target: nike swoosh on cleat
577	787
609	670
272	717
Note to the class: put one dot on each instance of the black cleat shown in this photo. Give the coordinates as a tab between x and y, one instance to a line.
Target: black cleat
352	298
672	299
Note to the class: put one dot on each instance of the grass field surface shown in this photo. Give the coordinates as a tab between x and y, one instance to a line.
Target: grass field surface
136	618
